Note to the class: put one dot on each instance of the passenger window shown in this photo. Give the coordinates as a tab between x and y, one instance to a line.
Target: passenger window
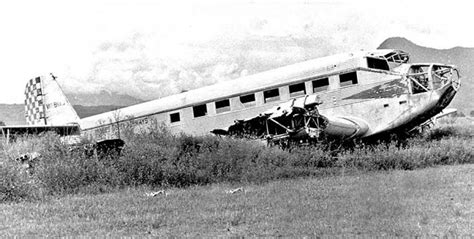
271	95
174	117
297	89
247	99
222	106
320	85
348	79
200	110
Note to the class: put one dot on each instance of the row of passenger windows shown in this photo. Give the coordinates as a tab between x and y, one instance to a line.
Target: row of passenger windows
298	89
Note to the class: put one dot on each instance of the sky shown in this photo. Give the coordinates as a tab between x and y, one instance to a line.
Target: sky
150	49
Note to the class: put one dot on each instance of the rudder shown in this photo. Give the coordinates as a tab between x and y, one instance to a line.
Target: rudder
46	104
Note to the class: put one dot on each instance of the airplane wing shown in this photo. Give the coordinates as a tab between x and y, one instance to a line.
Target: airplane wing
297	119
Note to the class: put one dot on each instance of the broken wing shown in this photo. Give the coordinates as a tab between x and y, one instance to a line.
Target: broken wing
297	119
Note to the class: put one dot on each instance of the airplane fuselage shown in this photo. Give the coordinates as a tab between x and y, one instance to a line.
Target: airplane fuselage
361	88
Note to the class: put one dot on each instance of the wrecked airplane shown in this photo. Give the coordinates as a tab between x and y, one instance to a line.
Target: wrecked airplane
346	96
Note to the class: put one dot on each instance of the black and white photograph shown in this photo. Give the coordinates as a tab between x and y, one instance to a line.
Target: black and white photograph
224	119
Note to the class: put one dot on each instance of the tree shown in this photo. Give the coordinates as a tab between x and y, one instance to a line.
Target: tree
2	123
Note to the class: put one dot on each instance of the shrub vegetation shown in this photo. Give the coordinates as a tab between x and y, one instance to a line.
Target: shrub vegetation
160	159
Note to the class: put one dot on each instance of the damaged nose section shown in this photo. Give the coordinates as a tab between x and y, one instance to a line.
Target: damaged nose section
446	82
443	75
433	77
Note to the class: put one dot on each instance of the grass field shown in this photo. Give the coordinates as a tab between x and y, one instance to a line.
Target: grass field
409	186
427	202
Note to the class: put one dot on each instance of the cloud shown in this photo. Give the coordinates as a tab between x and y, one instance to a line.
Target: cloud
153	48
197	45
135	66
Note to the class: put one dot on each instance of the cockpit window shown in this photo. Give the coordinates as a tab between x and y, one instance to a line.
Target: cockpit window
397	57
377	63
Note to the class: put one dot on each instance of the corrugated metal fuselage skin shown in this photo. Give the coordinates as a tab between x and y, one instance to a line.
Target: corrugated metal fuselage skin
381	99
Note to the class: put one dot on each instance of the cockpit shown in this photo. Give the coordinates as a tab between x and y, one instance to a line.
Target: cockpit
427	77
387	59
423	77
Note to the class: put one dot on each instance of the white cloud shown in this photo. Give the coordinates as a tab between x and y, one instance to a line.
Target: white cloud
150	49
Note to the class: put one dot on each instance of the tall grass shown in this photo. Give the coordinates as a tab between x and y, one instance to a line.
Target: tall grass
160	159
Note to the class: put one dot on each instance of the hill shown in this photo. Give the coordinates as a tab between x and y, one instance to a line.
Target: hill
462	57
12	114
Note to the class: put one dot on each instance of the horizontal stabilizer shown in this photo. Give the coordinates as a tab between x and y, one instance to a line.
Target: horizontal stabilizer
62	130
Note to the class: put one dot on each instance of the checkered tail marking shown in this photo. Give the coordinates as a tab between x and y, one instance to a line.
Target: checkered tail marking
34	99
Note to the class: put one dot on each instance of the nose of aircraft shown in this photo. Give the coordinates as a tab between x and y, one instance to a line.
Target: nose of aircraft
448	81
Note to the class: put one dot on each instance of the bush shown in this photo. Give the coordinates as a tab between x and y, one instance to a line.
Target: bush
15	182
66	172
160	159
415	153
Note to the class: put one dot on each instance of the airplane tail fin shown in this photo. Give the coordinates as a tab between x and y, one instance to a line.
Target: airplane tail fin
46	104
